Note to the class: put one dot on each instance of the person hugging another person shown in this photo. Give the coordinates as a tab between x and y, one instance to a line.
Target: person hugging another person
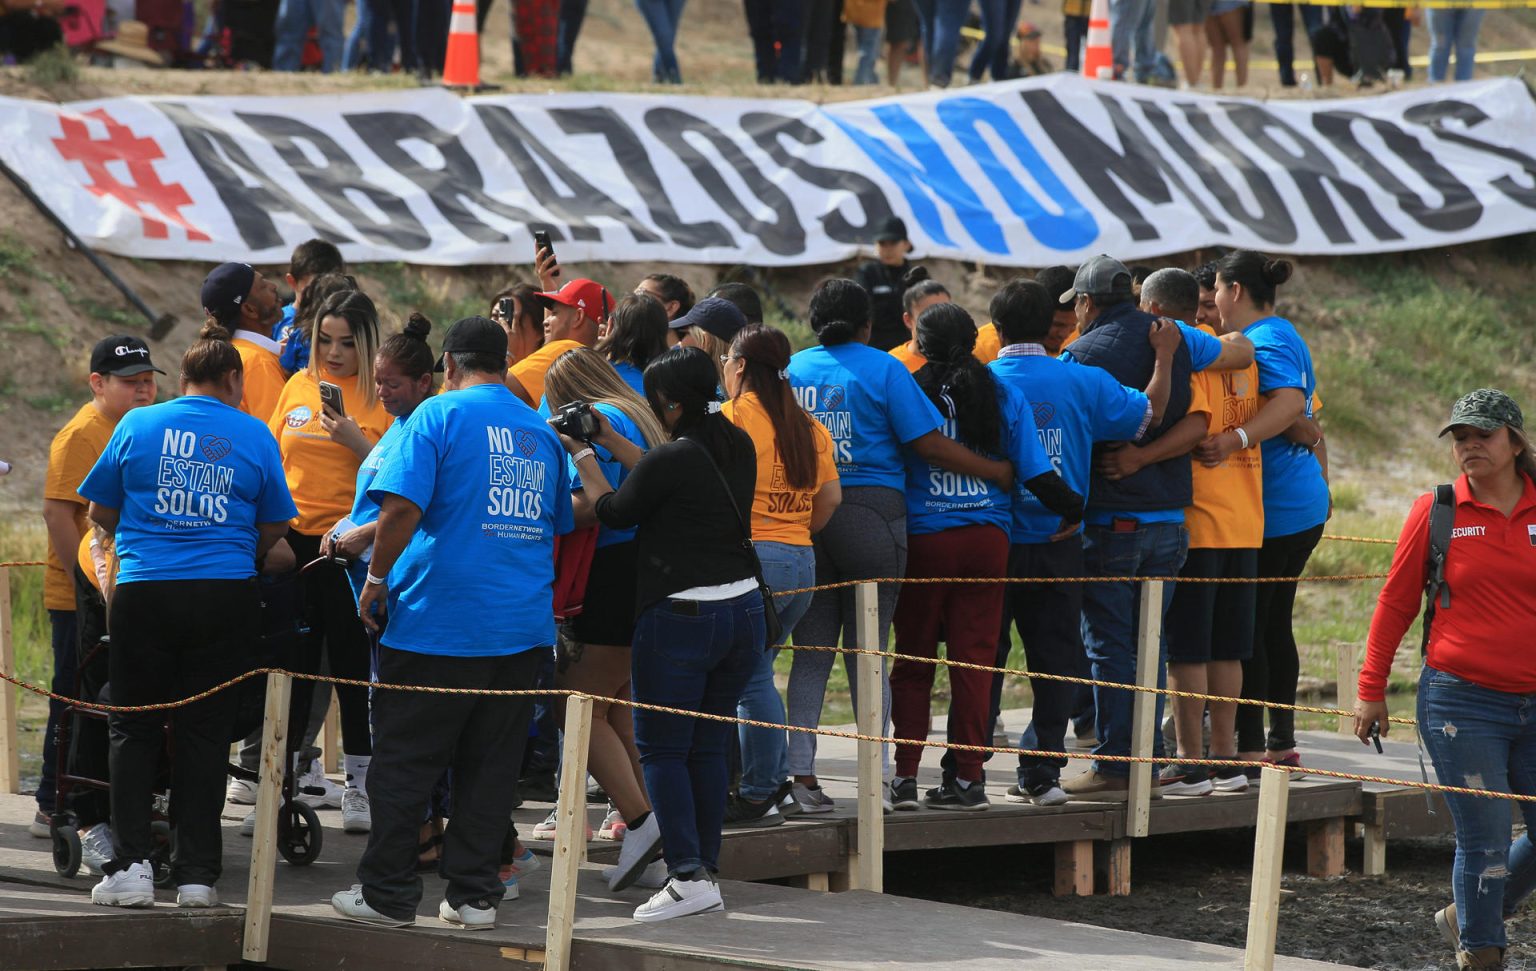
922	292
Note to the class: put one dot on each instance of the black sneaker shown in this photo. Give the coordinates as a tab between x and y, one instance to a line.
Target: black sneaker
1185	780
743	813
785	799
904	795
953	797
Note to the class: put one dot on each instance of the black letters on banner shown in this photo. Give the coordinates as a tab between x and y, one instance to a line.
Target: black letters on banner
574	208
231	171
1460	208
1309	171
340	173
458	182
765	128
1105	170
1273	223
1434	115
783	235
630	153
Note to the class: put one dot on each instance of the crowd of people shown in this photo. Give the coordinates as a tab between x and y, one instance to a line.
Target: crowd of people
606	494
793	41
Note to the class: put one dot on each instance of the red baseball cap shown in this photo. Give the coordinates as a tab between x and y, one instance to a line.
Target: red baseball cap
588	296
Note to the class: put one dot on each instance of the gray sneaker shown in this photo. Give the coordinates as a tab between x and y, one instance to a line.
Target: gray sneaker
812	800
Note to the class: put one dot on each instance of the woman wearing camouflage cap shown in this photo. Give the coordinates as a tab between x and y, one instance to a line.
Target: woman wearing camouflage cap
1471	548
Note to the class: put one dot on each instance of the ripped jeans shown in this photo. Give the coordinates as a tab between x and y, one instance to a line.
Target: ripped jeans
1483	739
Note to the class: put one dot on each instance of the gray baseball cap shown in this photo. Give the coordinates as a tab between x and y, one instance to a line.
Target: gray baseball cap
1102	276
1487	408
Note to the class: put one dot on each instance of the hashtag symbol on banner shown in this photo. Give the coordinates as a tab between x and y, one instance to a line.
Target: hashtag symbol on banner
156	203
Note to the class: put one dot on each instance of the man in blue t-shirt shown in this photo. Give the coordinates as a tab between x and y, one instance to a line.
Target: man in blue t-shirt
1134	525
1074	407
471	497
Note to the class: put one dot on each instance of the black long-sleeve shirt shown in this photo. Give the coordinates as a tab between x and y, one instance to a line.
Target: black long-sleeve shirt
688	533
885	292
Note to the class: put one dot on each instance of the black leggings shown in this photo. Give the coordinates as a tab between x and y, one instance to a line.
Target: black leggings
330	612
1270	675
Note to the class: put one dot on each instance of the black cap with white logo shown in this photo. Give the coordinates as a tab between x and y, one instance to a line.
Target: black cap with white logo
121	355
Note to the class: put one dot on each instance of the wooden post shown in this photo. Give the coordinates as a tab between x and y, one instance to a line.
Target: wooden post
1149	661
274	762
1074	869
1268	856
570	833
866	868
1325	847
10	753
331	747
1375	862
1113	863
1344	670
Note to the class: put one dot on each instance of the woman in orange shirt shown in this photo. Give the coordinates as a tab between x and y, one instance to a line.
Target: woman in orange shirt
322	449
797	491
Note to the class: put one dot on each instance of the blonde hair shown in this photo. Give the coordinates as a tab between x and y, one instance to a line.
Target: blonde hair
582	374
714	347
362	319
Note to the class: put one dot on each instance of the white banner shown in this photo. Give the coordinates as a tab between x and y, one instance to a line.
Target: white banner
1025	173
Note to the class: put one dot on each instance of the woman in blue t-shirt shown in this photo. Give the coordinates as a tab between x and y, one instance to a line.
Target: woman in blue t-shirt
193	490
634	336
594	645
874	410
1296	501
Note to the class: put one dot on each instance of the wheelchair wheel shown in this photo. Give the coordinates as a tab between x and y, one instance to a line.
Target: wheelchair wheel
66	851
299	835
160	855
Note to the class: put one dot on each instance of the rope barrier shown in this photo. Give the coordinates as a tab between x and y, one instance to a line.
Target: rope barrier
1360	539
845	584
23	563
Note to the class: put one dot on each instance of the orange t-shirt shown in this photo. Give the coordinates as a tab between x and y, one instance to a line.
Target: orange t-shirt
988	343
322	475
530	370
780	514
907	354
264	377
74	452
1076	333
85	556
1228	511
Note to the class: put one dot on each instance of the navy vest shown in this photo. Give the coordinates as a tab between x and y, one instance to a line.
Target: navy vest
1117	342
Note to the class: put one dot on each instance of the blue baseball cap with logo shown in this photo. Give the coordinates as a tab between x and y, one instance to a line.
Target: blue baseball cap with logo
225	290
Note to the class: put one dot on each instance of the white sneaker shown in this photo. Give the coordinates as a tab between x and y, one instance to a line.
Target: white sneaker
351	905
613	827
653	877
546	829
248	824
1054	796
196	895
314	790
356	817
96	847
641	845
240	792
41	826
130	887
527	863
680	898
476	915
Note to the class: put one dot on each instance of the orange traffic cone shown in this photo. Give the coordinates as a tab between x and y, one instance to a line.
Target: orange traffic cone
461	68
1098	59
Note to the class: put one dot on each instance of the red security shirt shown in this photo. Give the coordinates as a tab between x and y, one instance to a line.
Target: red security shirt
1486	635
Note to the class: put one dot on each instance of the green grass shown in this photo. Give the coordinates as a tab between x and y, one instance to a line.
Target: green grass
22	538
54	68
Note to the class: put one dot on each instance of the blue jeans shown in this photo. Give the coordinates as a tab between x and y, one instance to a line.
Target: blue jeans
1130	37
663	17
1483	739
1452	29
765	751
696	655
1282	19
948	18
1110	612
1076	29
868	39
64	667
294	18
572	14
997	20
362	30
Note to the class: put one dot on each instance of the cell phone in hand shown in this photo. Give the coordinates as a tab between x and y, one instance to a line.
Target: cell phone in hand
507	307
542	242
330	397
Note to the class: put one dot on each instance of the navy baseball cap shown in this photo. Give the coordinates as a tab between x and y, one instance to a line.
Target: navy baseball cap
474	335
716	315
225	290
121	355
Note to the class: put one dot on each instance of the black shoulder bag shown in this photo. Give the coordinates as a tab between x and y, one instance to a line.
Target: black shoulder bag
773	629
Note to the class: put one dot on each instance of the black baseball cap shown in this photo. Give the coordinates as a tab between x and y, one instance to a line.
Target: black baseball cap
121	355
225	290
474	335
892	230
715	315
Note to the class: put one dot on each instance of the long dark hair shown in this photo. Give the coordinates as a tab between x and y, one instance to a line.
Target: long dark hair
408	350
1256	273
685	378
839	310
672	288
960	386
764	352
637	331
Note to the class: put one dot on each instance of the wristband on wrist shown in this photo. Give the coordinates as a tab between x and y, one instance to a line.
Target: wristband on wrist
584	453
375	581
1242	436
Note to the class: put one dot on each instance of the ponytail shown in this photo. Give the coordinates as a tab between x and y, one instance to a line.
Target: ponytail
764	352
684	380
408	350
960	386
211	356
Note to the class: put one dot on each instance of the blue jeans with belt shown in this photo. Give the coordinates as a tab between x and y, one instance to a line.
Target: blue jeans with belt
1483	739
765	751
696	655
